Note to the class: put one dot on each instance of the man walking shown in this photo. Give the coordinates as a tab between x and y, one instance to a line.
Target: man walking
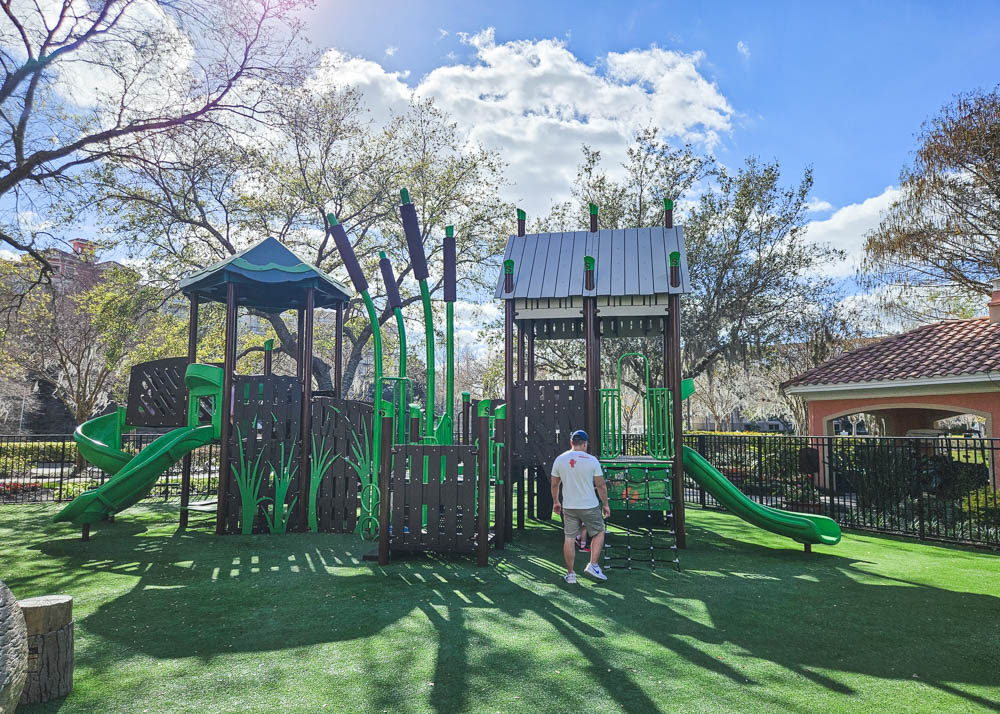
582	482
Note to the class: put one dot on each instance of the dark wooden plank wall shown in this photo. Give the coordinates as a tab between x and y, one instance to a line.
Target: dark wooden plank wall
450	498
266	413
546	413
340	425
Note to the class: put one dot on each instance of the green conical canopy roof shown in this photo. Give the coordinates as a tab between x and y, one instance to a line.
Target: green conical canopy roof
268	277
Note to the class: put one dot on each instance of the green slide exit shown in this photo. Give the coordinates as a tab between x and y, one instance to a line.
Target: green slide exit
801	527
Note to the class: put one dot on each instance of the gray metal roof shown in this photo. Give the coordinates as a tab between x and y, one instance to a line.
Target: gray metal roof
633	261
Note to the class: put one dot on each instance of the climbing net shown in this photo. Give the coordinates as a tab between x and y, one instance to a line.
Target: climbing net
642	517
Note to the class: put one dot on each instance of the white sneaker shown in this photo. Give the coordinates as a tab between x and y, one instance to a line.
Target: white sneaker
595	572
570	578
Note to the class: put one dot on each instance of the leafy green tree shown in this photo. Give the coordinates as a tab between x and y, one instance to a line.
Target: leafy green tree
753	273
85	341
86	80
937	247
187	199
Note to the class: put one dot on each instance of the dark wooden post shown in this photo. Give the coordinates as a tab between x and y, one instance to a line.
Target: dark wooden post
508	392
384	487
521	352
499	496
466	418
300	325
592	358
228	367
522	218
483	489
305	423
192	358
674	303
338	354
531	350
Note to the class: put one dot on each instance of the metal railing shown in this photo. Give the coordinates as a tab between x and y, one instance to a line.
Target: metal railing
944	489
48	467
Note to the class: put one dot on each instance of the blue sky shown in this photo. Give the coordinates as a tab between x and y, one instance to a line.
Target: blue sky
843	87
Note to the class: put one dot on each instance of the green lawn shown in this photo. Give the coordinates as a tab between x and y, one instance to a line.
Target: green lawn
190	622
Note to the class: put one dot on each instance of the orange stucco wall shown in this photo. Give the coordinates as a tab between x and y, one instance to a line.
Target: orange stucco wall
908	409
908	412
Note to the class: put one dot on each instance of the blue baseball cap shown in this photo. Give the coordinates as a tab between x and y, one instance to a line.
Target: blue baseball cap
579	436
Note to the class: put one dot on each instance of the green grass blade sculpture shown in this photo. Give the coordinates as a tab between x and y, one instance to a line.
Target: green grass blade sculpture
277	522
248	480
322	459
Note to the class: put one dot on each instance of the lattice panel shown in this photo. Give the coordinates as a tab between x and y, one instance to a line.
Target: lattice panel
157	396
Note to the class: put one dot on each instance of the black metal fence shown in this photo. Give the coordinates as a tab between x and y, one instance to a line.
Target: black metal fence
42	468
942	489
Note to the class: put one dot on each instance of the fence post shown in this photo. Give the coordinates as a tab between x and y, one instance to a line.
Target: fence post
384	489
483	488
701	489
62	469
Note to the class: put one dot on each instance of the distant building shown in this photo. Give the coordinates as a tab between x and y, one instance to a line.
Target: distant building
77	270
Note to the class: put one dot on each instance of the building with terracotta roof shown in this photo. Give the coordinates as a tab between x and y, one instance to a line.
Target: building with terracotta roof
912	380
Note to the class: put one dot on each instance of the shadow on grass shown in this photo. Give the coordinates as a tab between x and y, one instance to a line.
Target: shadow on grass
816	616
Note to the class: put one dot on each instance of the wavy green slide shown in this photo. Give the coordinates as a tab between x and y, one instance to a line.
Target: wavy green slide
801	527
134	476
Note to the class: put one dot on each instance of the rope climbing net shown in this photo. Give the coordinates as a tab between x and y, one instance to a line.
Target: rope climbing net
642	517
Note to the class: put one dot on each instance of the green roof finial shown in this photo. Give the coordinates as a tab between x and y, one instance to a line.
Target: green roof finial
268	345
508	267
593	209
404	195
449	231
331	219
675	259
668	204
588	262
382	255
521	215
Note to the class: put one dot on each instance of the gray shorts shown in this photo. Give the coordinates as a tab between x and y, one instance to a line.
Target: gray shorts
573	518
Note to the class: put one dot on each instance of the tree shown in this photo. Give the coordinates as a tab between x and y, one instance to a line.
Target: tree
85	80
187	199
84	342
752	270
939	242
821	334
753	273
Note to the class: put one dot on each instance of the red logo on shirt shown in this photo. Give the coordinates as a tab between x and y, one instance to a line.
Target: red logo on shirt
572	463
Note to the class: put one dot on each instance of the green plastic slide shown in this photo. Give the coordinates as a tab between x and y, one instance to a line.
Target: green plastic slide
137	478
801	527
134	476
98	438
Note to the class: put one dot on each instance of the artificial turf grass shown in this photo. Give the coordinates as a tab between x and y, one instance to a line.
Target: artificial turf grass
170	621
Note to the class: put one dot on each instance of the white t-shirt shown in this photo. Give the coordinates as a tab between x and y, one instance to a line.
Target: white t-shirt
576	470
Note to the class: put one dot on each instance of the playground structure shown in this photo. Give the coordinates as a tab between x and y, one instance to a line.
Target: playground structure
295	459
404	473
601	285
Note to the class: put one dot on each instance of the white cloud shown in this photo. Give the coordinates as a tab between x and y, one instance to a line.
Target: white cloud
442	33
847	227
390	51
818	205
744	49
536	102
